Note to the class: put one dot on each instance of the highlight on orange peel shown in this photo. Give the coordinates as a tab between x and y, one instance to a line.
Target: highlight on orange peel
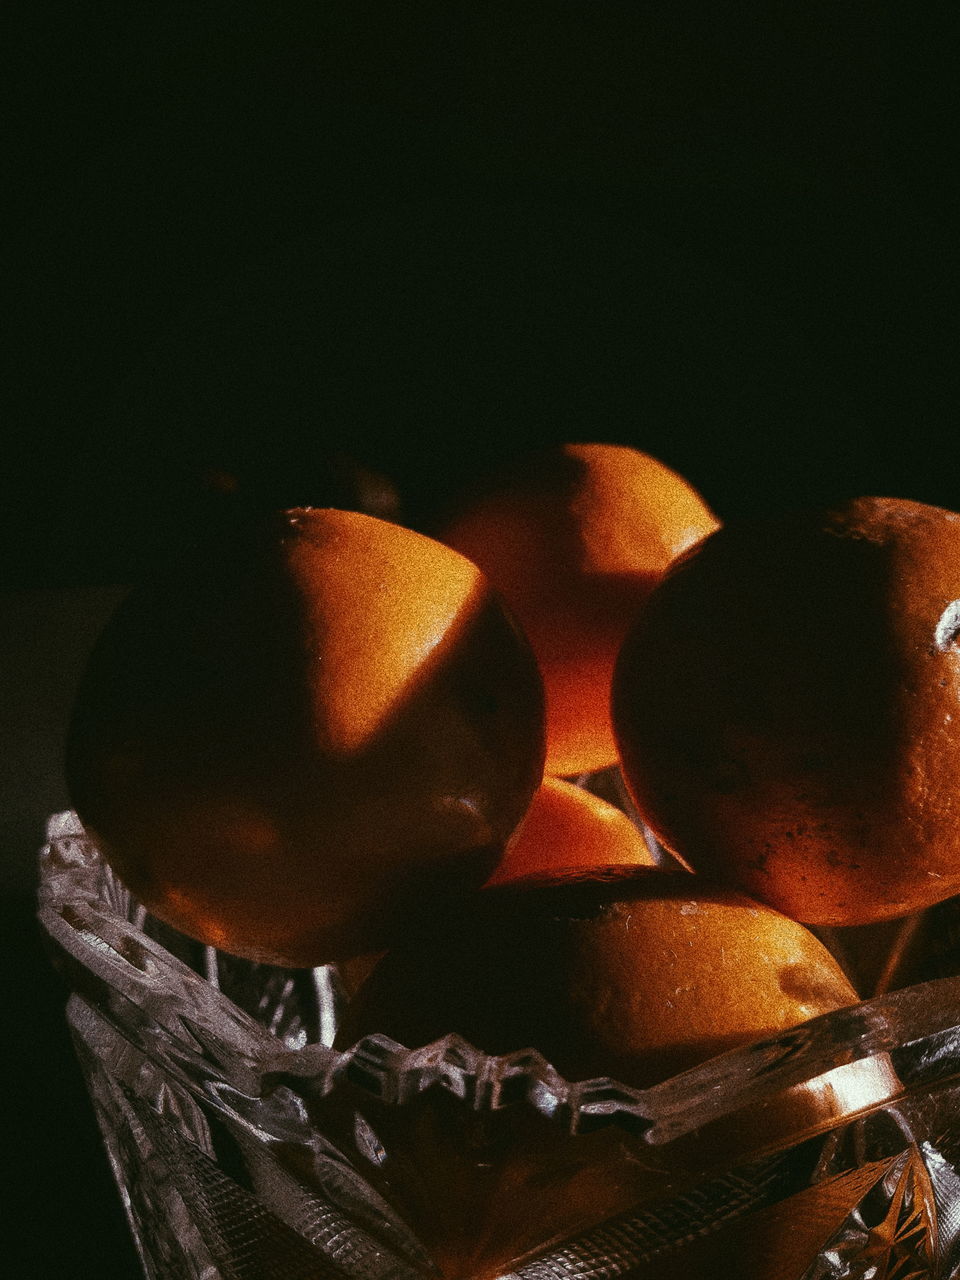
300	738
788	710
637	977
632	978
575	537
569	832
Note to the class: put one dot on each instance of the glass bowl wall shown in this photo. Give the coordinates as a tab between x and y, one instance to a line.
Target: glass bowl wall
246	1148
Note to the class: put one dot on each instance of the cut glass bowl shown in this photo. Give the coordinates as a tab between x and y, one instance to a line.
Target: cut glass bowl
246	1148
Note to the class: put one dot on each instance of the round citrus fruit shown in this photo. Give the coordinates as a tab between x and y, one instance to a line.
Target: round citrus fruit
569	831
788	710
635	974
627	977
298	738
574	538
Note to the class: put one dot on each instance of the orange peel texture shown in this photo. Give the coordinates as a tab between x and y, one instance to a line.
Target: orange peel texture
569	832
575	538
788	710
300	739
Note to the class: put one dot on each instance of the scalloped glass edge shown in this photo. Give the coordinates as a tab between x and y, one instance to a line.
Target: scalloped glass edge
150	997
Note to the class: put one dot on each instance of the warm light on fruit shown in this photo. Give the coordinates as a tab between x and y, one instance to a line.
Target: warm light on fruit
633	974
788	710
575	538
569	831
303	737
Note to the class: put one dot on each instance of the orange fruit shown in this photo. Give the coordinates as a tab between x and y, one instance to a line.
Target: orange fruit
296	739
637	974
787	710
566	832
632	977
569	831
574	538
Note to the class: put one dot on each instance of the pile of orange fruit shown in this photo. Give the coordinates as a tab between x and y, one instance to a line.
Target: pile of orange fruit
336	737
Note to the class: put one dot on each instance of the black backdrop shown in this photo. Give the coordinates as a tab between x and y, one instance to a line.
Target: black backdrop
426	234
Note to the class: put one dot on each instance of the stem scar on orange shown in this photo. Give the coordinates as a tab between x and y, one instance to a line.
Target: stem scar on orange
295	741
788	710
575	538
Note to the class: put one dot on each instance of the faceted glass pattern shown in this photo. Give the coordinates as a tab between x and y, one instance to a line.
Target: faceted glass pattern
246	1148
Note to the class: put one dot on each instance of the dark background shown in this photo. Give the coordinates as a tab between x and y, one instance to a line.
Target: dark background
248	239
430	233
